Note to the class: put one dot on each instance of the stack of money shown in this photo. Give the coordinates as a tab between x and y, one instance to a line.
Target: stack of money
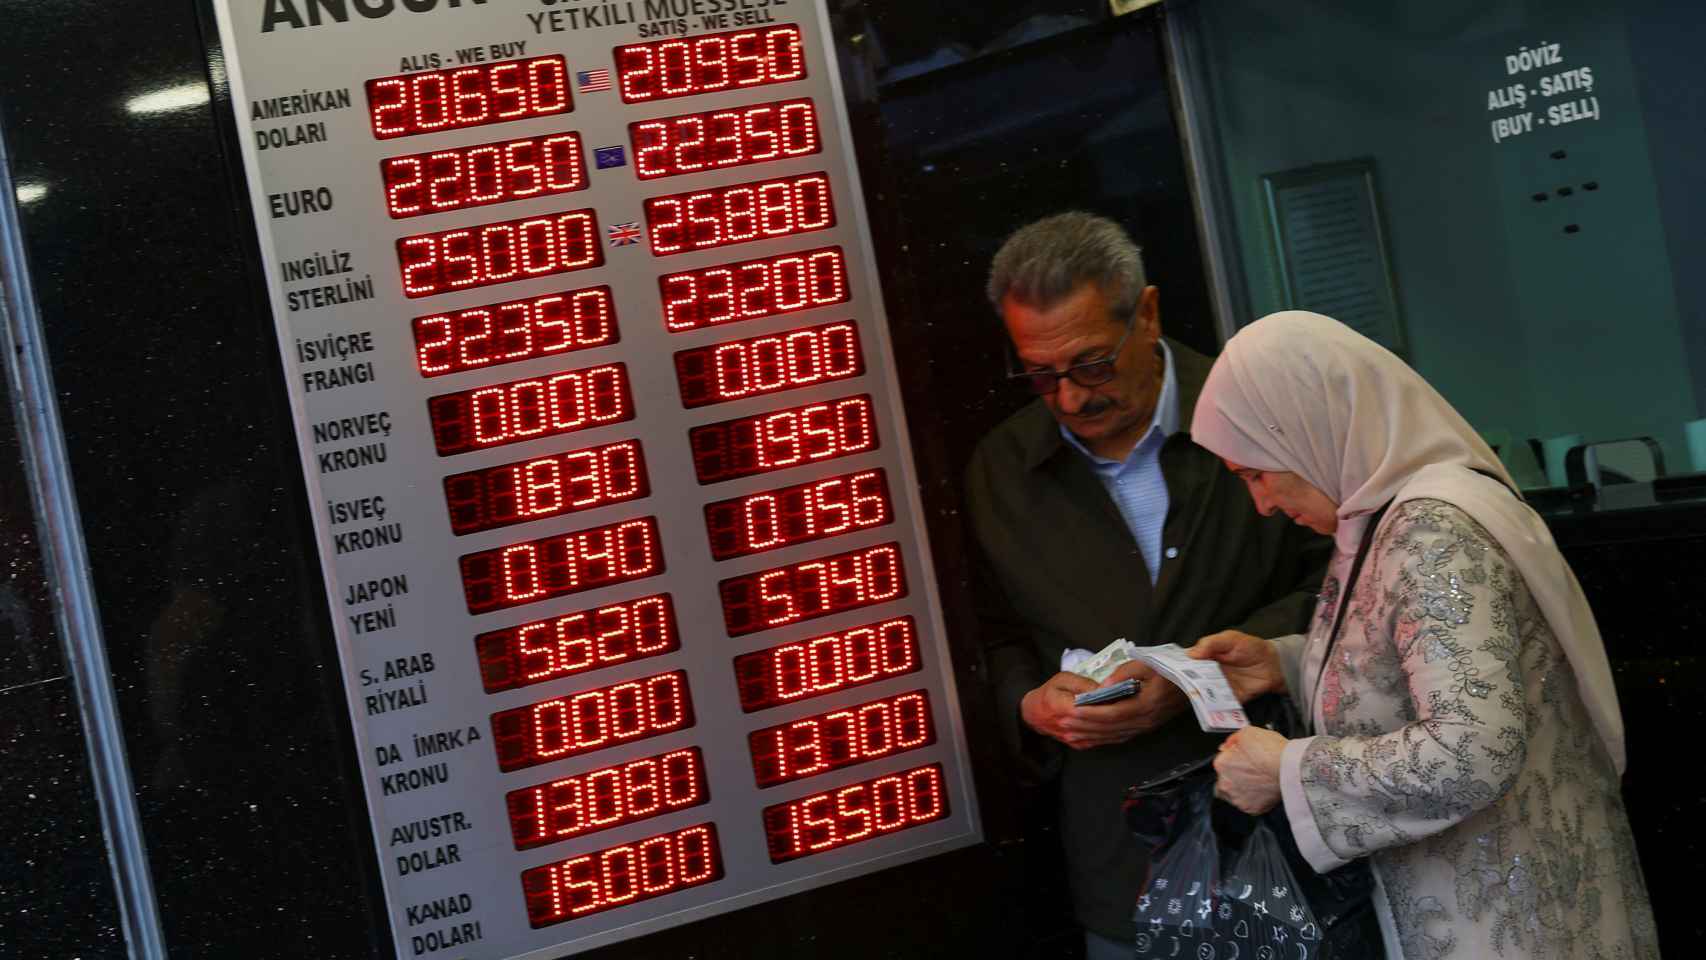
1101	665
1202	681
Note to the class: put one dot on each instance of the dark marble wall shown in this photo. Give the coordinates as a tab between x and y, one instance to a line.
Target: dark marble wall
180	448
56	892
1642	573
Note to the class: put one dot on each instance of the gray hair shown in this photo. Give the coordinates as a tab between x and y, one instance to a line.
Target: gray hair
1043	263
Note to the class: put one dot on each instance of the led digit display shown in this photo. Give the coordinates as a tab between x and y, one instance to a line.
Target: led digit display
753	289
717	61
606	798
841	738
798	514
491	253
760	210
591	720
438	100
776	441
621	875
694	142
546	487
769	364
567	563
488	173
516	330
859	811
577	642
810	668
529	409
813	588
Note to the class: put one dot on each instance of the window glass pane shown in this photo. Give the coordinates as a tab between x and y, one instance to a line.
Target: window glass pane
1529	172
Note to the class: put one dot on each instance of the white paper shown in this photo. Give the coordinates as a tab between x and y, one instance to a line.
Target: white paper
1203	683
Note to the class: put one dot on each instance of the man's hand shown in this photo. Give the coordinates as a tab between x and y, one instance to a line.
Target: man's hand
1251	664
1049	709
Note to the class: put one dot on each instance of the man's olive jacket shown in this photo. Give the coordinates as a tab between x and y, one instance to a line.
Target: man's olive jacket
1060	569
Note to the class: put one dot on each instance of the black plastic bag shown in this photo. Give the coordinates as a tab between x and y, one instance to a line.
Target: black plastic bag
1264	912
1178	810
1176	907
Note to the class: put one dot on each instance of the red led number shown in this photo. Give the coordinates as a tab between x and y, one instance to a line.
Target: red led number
776	441
761	365
591	720
576	642
489	173
529	409
748	211
606	798
621	875
718	61
546	487
499	252
816	588
541	569
753	289
518	330
841	738
860	811
798	514
715	139
468	96
836	661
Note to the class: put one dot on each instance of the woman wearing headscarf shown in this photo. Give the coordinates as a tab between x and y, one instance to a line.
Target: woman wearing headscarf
1467	735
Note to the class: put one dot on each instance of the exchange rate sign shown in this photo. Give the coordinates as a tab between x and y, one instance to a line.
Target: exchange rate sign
602	427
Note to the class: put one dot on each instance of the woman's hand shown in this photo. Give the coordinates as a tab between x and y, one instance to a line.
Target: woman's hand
1251	664
1249	769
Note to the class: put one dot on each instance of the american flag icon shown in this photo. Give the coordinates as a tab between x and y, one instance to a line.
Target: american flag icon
593	80
624	234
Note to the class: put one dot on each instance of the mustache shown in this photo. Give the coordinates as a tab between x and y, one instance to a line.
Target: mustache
1095	408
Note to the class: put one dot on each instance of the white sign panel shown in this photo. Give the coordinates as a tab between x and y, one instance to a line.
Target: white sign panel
597	411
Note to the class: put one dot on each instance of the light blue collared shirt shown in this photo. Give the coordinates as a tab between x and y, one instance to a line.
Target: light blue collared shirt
1135	483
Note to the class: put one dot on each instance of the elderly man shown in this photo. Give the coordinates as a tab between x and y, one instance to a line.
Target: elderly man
1098	518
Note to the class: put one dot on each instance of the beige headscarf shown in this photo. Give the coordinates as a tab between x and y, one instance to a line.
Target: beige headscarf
1302	393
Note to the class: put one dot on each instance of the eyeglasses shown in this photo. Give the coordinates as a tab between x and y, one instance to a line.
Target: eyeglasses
1092	373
